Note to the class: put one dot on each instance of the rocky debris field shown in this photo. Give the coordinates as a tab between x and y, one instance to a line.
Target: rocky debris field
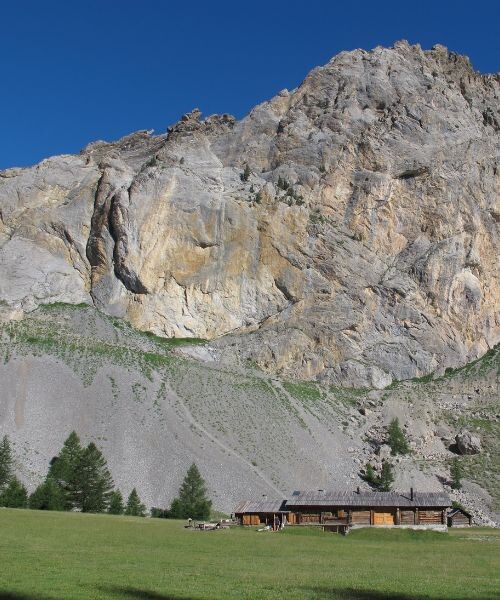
156	405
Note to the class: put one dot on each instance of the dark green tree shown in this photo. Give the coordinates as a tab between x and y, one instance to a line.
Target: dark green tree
396	438
64	469
134	506
386	478
245	176
6	460
456	474
92	483
116	503
48	496
370	475
14	495
192	501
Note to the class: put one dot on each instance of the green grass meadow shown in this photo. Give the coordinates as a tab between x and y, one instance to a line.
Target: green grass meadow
67	555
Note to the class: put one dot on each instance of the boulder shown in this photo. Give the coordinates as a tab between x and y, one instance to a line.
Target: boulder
468	443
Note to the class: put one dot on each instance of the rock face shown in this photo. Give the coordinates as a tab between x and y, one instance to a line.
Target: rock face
467	443
345	231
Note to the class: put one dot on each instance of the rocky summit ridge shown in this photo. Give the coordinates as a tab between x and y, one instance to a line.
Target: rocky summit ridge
345	231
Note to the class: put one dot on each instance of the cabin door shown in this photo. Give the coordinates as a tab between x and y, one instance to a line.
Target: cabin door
383	518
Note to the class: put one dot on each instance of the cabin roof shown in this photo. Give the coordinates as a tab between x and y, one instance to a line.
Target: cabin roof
368	499
455	511
261	506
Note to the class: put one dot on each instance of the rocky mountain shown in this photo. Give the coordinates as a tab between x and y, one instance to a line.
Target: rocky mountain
346	231
263	296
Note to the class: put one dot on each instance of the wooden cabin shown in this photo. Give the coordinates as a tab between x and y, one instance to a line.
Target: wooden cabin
261	512
360	508
458	517
370	508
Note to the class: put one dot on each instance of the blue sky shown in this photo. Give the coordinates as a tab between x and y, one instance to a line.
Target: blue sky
73	72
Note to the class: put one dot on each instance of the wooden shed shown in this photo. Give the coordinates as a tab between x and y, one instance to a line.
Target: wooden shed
369	508
261	512
458	517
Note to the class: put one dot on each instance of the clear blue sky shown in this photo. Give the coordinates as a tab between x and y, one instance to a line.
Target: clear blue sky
73	72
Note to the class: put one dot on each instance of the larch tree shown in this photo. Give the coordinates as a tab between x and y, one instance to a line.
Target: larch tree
48	496
116	506
14	495
192	501
134	506
6	462
386	478
456	474
64	469
92	484
396	438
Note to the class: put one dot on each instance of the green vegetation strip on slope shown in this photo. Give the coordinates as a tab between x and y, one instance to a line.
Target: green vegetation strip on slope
69	555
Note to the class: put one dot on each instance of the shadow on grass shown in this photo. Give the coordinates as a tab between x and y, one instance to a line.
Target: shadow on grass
137	594
20	596
324	593
121	592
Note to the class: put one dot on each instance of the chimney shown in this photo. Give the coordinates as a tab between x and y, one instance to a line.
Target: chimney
264	496
411	493
321	490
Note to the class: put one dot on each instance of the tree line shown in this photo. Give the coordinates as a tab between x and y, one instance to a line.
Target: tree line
78	479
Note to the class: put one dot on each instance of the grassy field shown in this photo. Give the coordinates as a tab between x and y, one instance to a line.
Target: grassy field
59	555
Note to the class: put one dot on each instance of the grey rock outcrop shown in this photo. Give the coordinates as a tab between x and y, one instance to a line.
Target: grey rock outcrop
468	443
360	248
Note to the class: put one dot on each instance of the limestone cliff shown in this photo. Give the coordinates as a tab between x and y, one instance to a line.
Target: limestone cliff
345	231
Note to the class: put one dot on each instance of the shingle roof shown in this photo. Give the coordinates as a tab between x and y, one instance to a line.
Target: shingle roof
261	506
455	511
368	499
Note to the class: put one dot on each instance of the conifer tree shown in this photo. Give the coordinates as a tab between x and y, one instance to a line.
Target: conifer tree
14	495
5	462
386	478
116	503
134	506
456	474
64	469
246	173
397	439
370	475
92	483
192	501
48	496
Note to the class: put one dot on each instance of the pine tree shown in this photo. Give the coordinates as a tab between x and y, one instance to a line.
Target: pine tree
456	474
6	473
386	478
397	439
370	475
14	495
246	173
134	506
92	483
48	496
192	501
64	469
116	503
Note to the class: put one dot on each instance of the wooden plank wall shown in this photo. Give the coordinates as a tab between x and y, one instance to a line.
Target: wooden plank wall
407	517
309	518
360	517
430	517
251	520
383	518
